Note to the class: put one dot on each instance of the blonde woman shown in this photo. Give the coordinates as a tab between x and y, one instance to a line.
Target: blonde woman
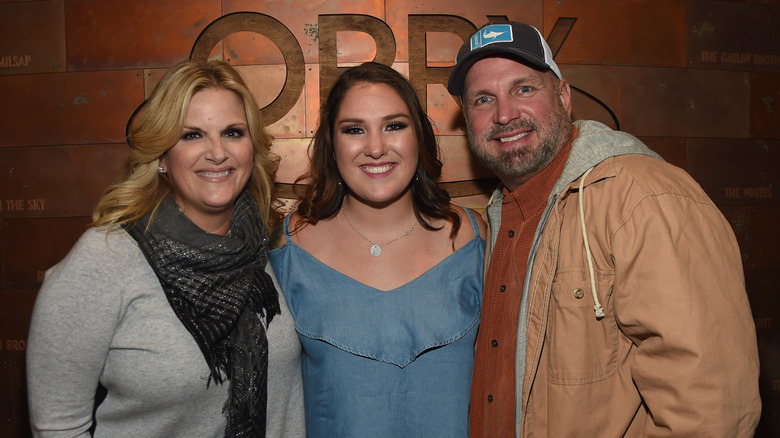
168	302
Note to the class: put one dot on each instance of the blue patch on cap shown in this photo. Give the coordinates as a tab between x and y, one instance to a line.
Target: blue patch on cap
494	33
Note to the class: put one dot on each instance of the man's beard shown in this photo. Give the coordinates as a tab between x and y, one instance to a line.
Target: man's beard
515	166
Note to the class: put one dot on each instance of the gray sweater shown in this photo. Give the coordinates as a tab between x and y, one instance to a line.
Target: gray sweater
101	316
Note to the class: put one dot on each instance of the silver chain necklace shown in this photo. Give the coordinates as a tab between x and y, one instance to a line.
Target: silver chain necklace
376	248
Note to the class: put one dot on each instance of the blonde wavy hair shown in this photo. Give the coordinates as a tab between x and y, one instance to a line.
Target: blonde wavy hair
158	128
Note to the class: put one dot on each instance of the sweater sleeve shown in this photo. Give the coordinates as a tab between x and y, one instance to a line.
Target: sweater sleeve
76	312
680	297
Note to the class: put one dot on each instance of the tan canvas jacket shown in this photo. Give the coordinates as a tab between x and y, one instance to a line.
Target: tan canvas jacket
675	353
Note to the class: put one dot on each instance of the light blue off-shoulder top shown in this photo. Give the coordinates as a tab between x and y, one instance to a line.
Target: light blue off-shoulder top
378	363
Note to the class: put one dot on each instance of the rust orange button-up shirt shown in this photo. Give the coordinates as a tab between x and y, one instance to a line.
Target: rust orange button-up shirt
493	390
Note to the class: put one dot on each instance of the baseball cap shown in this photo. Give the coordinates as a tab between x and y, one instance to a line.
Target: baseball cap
497	38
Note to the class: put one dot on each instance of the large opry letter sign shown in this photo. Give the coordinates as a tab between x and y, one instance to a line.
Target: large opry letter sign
420	74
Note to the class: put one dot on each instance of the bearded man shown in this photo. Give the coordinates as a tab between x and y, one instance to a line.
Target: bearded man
614	300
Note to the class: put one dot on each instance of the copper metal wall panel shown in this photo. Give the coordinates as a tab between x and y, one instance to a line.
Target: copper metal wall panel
717	40
736	172
14	419
441	48
444	111
294	158
476	203
765	105
628	33
301	18
459	163
34	186
266	83
594	91
151	78
31	246
33	37
684	102
248	48
58	180
764	300
93	169
312	98
67	108
762	247
15	311
136	34
671	149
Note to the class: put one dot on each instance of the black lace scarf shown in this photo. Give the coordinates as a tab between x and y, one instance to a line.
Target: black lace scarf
218	288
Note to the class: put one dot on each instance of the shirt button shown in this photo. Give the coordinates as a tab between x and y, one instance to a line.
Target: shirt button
502	288
578	293
511	233
490	399
494	343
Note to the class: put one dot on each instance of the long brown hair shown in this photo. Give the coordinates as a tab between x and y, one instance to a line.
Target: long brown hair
324	195
158	128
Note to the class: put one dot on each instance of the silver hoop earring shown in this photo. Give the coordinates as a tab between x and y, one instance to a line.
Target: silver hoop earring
160	170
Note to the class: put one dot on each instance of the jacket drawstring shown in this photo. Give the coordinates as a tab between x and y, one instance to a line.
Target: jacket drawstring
597	307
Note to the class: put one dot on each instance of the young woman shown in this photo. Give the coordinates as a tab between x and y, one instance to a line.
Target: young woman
168	301
382	274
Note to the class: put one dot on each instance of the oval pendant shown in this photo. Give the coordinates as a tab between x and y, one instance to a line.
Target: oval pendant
375	250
